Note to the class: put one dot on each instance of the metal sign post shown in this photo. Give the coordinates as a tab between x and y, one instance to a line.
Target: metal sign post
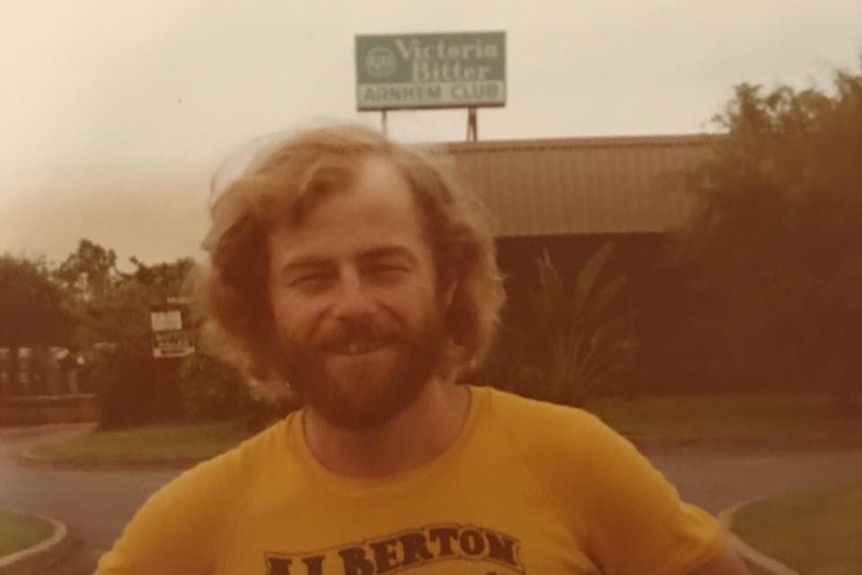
472	125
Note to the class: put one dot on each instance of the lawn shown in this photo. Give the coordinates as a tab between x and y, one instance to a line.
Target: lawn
743	417
19	531
727	416
812	532
152	443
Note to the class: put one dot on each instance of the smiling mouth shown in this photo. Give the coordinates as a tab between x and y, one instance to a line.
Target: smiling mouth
359	347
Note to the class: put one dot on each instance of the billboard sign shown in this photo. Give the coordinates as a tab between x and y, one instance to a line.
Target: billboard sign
413	71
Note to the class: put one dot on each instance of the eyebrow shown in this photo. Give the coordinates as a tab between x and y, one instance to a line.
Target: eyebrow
314	262
393	251
303	263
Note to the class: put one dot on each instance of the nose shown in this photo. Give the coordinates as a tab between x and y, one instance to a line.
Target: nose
352	300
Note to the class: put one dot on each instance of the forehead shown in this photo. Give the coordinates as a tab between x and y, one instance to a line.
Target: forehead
376	210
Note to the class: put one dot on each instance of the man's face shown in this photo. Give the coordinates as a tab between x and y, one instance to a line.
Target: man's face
353	291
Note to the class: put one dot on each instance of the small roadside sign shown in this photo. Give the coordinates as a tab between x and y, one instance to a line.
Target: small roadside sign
171	320
178	343
172	336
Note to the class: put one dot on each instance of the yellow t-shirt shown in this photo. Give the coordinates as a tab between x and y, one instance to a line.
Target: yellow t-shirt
527	488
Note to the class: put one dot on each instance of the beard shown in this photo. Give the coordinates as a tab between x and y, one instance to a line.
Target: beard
363	393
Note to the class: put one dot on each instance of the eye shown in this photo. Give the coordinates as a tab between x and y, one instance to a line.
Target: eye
311	281
386	269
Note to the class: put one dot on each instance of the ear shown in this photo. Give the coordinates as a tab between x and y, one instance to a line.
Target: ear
448	294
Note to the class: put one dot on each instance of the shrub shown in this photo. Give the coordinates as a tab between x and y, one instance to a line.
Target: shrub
211	390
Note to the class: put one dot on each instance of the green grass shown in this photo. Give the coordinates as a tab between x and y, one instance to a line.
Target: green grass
728	416
19	531
152	443
743	417
814	532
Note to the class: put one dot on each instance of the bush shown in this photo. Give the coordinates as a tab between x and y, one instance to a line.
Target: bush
766	282
211	390
577	340
124	378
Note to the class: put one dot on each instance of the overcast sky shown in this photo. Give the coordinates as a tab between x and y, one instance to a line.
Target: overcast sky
115	113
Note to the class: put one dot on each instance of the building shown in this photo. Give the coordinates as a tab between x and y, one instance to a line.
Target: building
570	197
581	186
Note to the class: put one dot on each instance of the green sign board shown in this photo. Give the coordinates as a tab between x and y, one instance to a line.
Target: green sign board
411	71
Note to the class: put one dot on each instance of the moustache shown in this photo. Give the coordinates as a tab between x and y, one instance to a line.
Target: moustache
347	334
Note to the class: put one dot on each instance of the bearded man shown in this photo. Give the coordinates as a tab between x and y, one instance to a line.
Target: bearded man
356	271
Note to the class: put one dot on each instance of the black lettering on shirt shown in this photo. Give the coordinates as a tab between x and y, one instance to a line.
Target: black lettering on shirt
395	552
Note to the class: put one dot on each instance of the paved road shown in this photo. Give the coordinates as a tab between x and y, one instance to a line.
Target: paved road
96	504
716	478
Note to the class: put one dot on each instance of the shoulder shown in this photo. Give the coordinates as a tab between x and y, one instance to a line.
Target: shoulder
566	448
224	478
244	464
545	427
182	525
628	515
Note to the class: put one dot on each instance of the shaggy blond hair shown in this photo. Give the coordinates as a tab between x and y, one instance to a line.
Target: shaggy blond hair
279	187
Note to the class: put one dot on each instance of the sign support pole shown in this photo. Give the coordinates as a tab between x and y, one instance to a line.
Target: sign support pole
383	120
472	125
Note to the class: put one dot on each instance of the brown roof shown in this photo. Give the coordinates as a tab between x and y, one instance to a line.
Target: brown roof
580	185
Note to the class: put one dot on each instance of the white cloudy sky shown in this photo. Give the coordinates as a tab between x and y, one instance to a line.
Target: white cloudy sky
114	113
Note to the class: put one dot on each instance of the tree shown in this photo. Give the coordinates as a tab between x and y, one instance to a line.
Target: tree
89	272
113	306
112	310
770	279
89	277
162	280
32	315
139	388
31	305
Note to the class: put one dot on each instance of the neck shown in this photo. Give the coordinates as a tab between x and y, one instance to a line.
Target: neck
418	435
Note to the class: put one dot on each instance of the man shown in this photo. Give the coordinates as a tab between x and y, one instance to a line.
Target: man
355	270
